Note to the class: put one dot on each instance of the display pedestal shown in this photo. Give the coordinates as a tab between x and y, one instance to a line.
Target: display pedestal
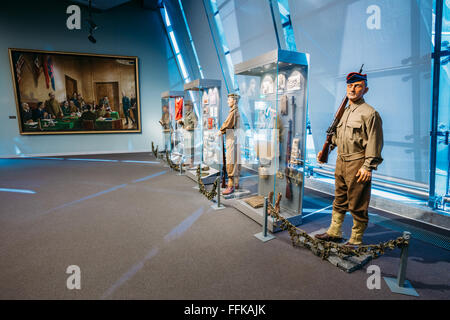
208	179
237	194
407	288
347	263
257	214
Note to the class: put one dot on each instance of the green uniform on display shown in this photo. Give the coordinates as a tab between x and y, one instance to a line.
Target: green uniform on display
190	120
359	138
165	123
189	123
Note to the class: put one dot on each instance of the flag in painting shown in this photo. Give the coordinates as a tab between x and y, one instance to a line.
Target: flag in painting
48	70
37	65
19	65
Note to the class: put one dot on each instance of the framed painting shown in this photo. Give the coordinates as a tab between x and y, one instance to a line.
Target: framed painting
67	93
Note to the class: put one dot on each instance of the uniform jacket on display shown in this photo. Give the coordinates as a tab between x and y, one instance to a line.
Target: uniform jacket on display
229	127
178	109
190	120
359	134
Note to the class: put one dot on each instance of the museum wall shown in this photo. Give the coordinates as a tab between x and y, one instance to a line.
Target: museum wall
126	30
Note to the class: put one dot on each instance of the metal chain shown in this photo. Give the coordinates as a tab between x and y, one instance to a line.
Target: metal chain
300	238
155	151
202	189
172	165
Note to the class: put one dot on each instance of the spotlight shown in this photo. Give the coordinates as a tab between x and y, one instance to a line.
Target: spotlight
92	25
91	38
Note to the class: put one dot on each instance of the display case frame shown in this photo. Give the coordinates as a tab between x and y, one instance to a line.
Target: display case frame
276	130
207	152
172	138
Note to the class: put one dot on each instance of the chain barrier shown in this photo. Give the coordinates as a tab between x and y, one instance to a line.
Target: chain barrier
300	238
155	151
172	165
202	189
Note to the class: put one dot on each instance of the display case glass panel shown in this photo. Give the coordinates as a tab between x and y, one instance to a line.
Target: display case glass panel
205	95
273	105
171	112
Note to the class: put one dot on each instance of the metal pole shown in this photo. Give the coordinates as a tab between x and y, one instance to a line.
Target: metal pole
264	236
400	284
265	217
218	193
218	205
435	102
403	261
181	167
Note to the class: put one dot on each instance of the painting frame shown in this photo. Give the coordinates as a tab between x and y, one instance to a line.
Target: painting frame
12	53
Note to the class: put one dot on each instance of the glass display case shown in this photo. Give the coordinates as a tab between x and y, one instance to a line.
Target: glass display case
172	112
272	139
202	144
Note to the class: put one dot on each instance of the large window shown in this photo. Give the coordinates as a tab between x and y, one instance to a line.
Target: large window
174	44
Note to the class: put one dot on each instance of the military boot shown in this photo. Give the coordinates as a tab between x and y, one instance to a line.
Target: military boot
230	187
336	224
334	232
357	232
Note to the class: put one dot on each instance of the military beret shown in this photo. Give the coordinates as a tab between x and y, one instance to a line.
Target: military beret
356	76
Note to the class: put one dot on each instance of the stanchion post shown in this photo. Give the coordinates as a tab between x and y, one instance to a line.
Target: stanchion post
218	205
166	165
181	167
264	236
403	261
265	217
400	284
218	193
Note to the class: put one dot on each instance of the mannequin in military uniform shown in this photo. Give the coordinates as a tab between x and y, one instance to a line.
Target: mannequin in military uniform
189	124
230	128
165	119
359	138
165	123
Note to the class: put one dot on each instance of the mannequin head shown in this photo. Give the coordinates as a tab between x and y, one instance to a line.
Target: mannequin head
188	105
356	86
233	99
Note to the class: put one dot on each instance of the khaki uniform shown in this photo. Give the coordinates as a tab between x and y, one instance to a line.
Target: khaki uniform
229	127
165	122
359	138
52	106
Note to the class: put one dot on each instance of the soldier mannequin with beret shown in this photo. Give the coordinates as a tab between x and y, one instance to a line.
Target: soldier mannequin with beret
359	138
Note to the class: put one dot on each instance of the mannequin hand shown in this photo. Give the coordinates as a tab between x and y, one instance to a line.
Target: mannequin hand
363	175
318	156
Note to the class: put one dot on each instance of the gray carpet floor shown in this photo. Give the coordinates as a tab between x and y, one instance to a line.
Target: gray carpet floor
139	231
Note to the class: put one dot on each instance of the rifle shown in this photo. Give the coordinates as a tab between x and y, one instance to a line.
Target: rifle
224	165
331	129
288	193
